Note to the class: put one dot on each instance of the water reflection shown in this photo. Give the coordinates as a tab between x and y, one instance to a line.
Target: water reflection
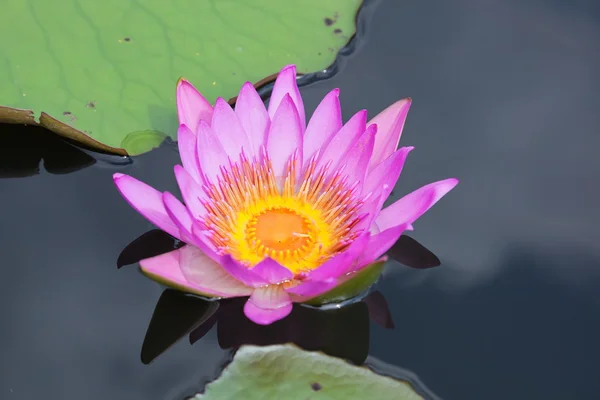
152	243
413	254
177	314
24	147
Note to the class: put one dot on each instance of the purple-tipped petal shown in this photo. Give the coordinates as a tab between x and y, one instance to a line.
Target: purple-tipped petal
309	289
286	84
343	140
379	244
413	205
147	201
242	273
357	158
284	137
190	191
195	271
386	174
390	123
211	153
228	129
271	271
191	105
325	122
268	304
188	152
253	115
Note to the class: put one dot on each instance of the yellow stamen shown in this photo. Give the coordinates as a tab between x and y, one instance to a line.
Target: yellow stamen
300	225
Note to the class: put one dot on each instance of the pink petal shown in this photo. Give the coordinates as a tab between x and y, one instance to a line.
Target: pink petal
182	218
201	239
284	137
209	279
191	105
253	115
357	158
412	206
286	84
188	152
372	207
390	123
190	191
271	271
228	129
195	272
386	174
166	270
325	122
341	263
180	215
211	153
330	269
342	141
379	244
309	289
243	273
268	304
147	201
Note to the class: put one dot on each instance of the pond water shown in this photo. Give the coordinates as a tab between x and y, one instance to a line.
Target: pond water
505	97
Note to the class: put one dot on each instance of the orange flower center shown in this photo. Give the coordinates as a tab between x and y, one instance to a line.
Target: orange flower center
299	224
279	230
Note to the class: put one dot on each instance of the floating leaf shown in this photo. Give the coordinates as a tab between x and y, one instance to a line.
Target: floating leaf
287	372
104	72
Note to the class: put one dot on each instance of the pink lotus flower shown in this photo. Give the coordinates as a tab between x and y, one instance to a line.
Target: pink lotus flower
276	209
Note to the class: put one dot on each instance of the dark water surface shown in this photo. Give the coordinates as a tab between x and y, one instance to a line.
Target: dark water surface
505	97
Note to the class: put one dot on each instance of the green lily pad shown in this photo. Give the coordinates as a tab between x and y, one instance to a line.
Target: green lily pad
287	372
104	72
352	285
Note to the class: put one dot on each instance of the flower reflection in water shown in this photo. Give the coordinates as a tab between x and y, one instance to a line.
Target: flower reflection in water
178	314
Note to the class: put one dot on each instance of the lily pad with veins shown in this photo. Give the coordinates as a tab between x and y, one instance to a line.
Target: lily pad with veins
287	372
103	73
